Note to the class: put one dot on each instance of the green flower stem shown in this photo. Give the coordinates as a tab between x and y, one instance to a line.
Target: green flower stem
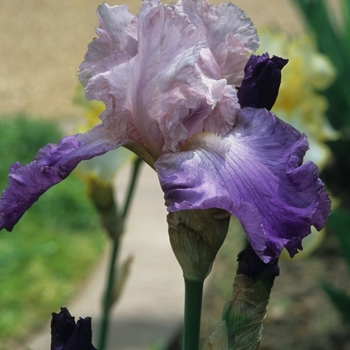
132	186
104	323
113	270
193	308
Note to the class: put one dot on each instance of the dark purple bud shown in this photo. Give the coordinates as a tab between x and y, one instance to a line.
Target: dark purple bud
62	328
245	312
262	79
82	336
68	335
253	267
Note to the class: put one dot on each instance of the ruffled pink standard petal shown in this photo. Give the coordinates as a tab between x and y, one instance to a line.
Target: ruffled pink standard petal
229	34
52	164
255	173
163	94
117	41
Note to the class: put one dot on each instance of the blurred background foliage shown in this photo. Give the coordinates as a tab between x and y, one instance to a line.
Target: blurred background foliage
330	27
54	246
329	24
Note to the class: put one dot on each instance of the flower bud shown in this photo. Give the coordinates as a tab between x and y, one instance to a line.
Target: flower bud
195	237
101	194
246	310
262	79
68	335
218	339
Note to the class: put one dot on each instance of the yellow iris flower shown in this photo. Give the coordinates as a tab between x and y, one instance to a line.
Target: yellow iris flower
299	100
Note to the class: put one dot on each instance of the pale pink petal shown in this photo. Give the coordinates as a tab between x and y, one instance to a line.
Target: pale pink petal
117	41
163	94
229	34
221	120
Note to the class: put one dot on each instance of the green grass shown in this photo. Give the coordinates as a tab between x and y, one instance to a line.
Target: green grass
53	247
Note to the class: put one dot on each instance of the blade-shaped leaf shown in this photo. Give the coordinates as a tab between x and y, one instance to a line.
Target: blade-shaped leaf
339	222
340	300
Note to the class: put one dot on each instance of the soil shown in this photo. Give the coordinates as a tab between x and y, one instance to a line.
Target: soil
300	315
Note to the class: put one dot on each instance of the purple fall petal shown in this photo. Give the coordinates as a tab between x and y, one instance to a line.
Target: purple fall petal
51	165
255	173
261	81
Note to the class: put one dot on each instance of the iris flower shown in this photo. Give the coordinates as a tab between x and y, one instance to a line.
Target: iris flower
168	78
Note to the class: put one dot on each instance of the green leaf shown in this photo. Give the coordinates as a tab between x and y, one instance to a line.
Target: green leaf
340	300
339	222
334	43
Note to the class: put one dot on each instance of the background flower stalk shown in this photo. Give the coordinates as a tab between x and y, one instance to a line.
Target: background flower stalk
99	175
101	194
117	275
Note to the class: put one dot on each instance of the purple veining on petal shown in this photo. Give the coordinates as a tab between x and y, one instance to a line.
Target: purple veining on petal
255	173
262	79
52	164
